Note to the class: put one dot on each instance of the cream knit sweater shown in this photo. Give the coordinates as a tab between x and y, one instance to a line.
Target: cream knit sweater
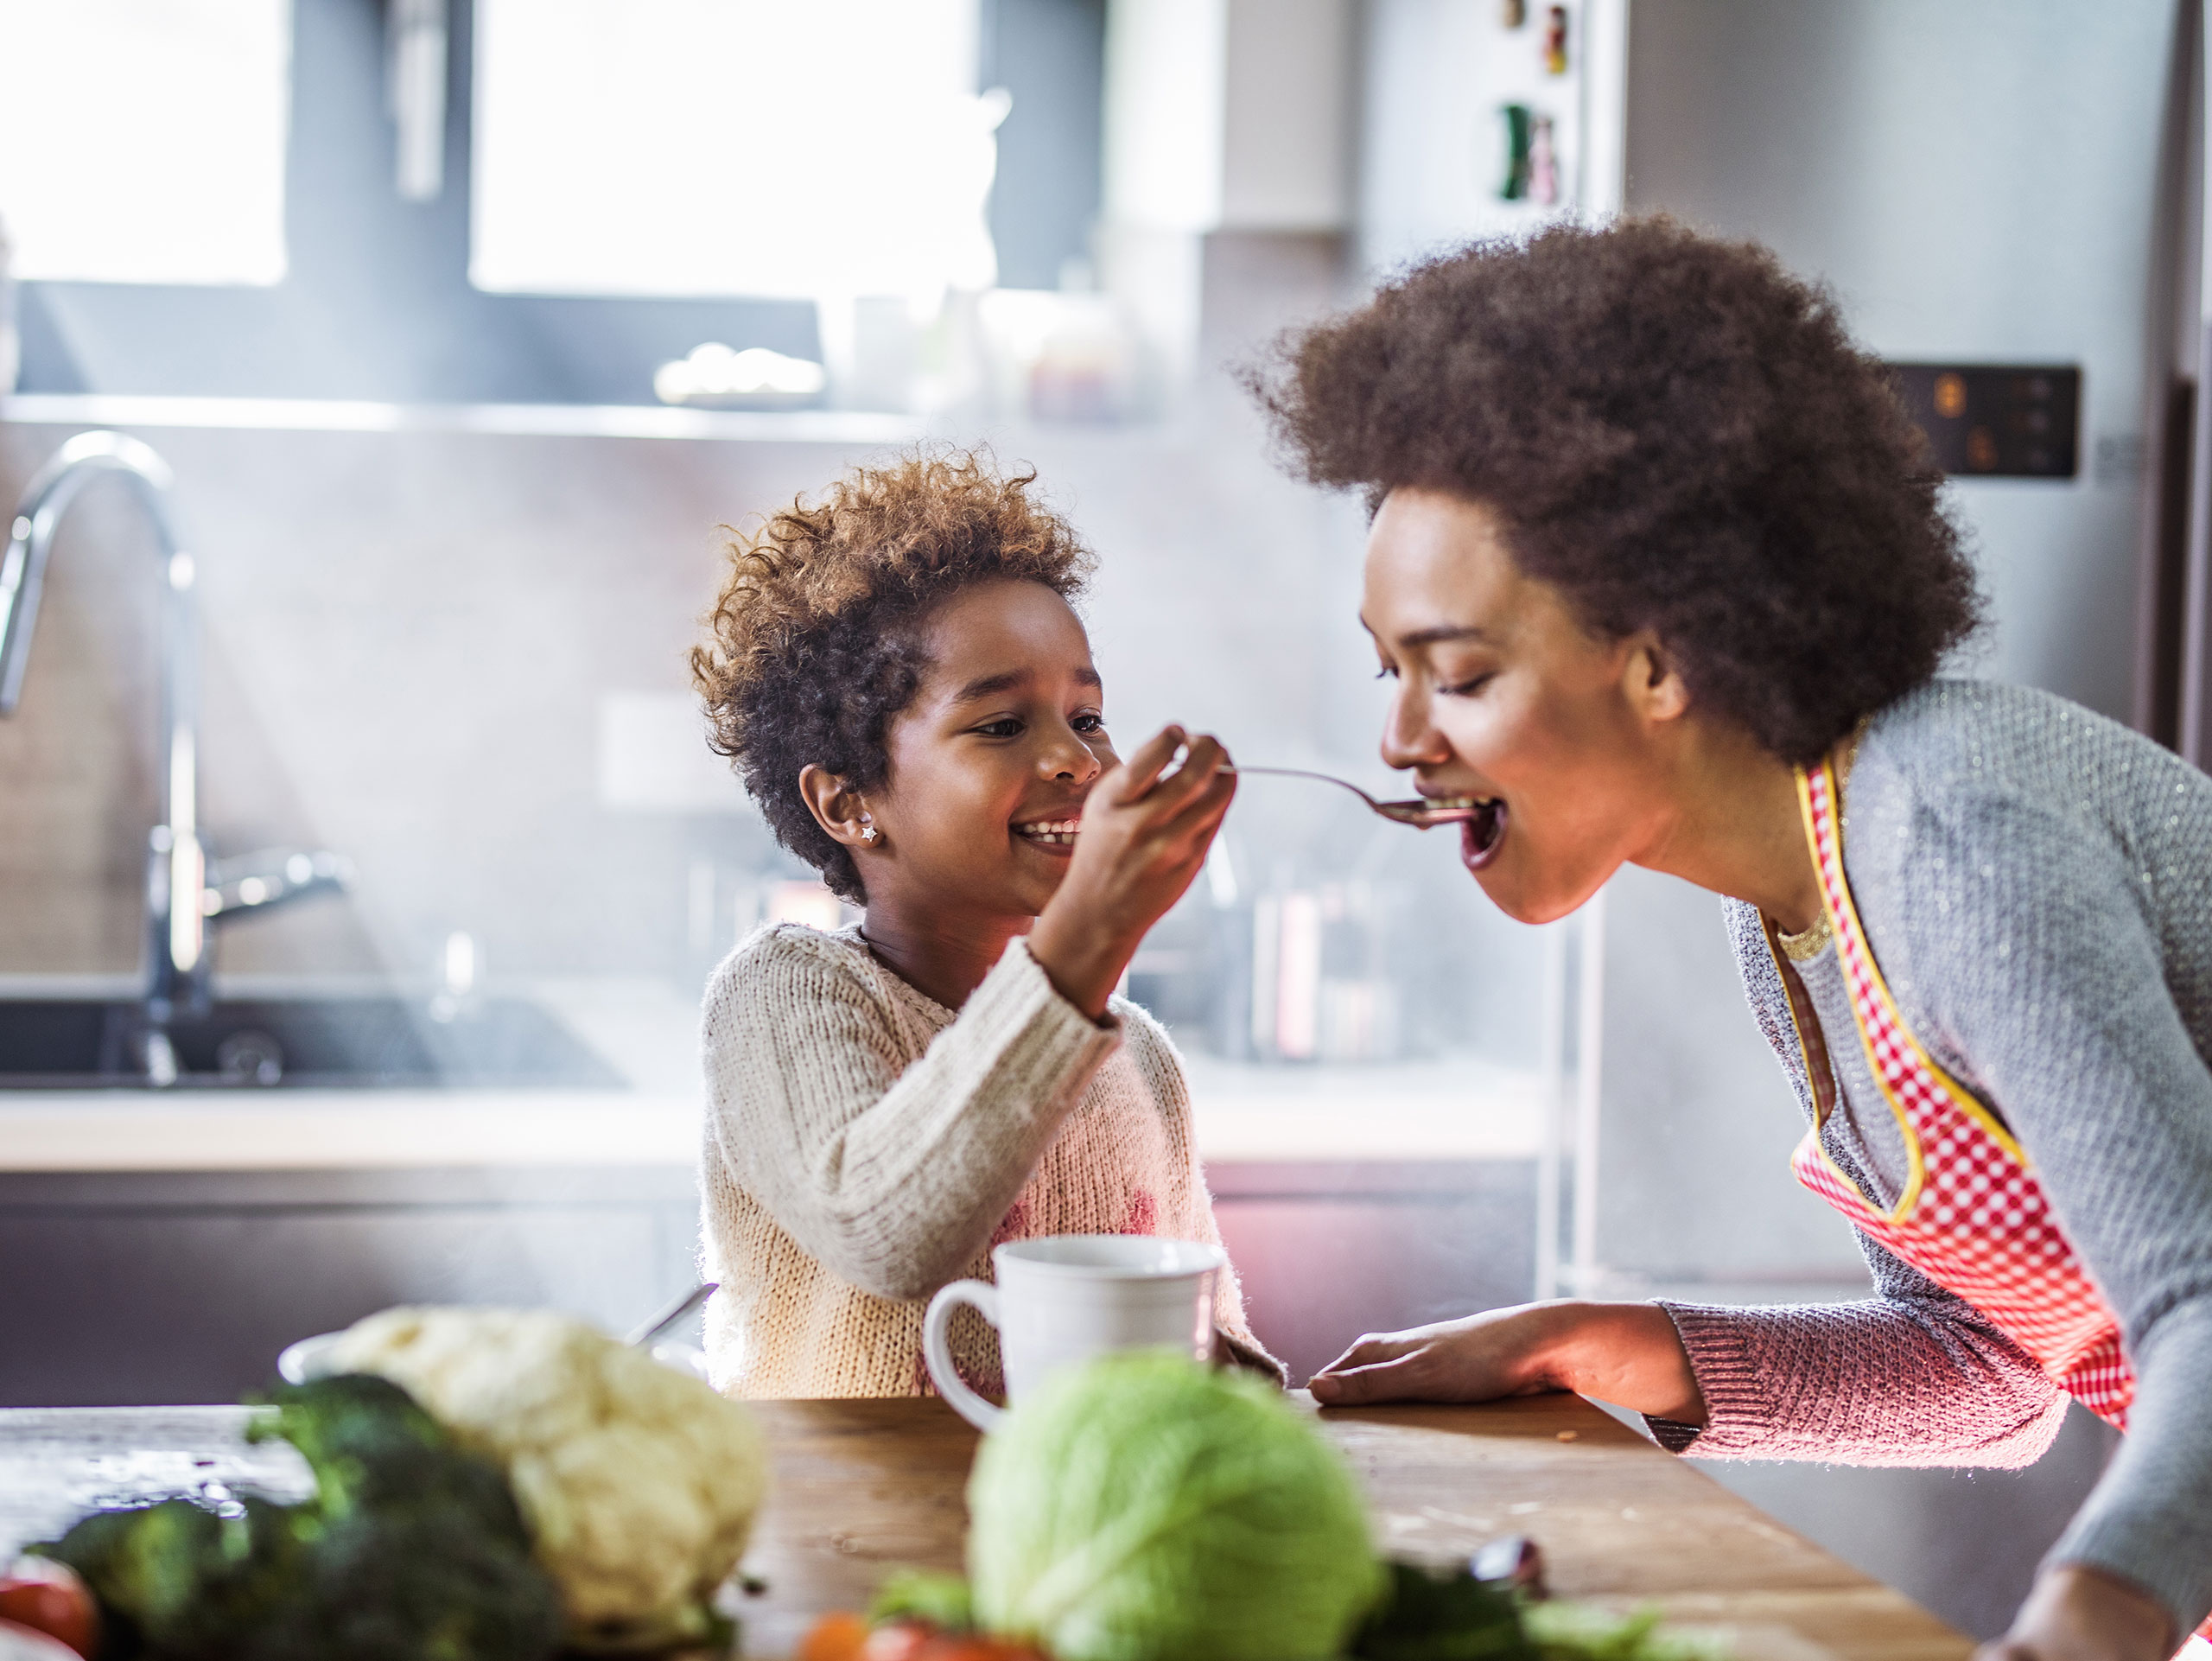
864	1145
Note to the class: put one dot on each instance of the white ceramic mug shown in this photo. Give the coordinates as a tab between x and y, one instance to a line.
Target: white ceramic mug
1066	1298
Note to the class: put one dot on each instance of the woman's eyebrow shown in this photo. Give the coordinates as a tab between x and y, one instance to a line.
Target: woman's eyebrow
1441	632
1434	634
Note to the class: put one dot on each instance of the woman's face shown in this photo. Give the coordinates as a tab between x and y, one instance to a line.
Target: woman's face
992	760
1502	697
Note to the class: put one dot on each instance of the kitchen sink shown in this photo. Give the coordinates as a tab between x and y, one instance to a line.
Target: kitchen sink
300	1042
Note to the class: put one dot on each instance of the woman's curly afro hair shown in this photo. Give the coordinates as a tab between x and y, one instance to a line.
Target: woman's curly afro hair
1678	435
817	637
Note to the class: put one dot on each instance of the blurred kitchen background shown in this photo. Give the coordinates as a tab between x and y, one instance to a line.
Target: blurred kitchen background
461	327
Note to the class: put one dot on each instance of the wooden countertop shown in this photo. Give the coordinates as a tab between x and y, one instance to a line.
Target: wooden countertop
864	1487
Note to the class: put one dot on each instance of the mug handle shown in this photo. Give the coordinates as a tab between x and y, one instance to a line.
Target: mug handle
938	1354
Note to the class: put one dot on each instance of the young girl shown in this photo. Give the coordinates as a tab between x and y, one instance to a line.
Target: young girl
897	675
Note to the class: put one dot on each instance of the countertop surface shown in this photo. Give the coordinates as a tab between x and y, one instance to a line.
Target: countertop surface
864	1487
1454	1108
1418	1111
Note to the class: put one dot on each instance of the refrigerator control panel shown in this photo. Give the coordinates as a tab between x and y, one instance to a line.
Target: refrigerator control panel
1998	421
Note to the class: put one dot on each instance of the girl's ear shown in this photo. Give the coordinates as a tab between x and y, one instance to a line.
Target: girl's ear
842	812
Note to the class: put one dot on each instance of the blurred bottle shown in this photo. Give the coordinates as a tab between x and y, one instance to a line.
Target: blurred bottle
1520	133
1543	165
1320	986
1059	356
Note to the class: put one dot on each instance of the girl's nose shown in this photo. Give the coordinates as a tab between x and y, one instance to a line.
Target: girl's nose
1072	759
1410	739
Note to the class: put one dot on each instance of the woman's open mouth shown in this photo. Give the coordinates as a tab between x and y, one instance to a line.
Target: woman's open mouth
1054	836
1481	836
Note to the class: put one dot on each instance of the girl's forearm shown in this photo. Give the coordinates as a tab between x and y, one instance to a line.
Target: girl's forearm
1083	963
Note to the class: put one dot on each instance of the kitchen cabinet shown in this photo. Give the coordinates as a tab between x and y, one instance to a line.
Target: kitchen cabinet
1327	1251
182	1286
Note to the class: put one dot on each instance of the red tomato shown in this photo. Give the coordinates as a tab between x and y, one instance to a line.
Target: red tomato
837	1637
26	1644
899	1640
47	1597
975	1647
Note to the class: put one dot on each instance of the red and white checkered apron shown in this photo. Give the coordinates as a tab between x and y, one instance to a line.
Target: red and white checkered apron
1972	1218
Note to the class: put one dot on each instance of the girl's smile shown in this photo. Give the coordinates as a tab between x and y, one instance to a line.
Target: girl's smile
1052	837
990	766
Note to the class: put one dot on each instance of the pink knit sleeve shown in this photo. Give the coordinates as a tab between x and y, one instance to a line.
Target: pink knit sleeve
1893	1380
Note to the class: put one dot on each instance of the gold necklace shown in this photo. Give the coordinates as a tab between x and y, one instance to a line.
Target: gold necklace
1803	948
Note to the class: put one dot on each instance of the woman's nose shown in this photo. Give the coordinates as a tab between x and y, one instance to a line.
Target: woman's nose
1410	739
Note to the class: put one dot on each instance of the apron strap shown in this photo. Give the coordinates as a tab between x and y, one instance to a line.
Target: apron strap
1812	1044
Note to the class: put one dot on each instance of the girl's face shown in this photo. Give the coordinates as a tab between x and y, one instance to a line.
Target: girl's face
992	760
1503	697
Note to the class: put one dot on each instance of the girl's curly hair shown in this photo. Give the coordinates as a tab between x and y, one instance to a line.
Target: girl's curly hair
1676	432
816	640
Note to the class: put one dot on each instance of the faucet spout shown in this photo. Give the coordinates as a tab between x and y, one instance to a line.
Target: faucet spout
177	970
48	496
180	901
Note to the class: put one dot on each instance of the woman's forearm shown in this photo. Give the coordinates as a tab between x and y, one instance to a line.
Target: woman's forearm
1888	1380
2146	1521
1625	1353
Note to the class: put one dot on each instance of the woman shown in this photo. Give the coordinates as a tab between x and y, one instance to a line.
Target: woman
1662	571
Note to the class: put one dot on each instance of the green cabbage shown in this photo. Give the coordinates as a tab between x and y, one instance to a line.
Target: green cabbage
1144	1508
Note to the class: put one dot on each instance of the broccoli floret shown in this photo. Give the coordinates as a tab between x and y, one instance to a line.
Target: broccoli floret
175	1578
411	1550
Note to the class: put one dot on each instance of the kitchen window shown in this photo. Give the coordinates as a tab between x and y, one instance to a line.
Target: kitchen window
143	141
597	213
730	147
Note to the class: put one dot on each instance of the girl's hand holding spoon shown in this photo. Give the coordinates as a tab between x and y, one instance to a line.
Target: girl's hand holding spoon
1146	825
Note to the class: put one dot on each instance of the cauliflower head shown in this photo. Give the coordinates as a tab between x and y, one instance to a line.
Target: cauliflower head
639	1482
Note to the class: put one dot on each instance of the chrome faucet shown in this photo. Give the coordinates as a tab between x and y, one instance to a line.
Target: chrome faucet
185	892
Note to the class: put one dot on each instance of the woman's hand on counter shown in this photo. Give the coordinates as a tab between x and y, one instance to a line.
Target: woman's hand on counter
2077	1613
1626	1353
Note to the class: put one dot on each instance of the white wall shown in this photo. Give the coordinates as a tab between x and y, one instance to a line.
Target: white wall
1229	114
1286	126
1165	90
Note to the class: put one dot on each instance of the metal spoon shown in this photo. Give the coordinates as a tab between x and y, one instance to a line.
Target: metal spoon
668	1317
1421	813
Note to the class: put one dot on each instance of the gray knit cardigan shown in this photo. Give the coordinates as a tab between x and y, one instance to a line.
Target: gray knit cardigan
2036	884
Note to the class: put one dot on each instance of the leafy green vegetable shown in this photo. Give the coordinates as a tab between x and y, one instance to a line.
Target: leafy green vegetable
411	1550
1567	1632
1443	1617
1436	1616
942	1600
1145	1508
